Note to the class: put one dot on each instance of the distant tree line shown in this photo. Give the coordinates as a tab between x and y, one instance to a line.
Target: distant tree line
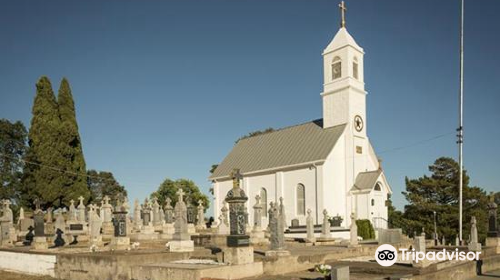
47	163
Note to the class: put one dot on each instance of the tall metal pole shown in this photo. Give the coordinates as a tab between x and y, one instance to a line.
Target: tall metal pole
461	119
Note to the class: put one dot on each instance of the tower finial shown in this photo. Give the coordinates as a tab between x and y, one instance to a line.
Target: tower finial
343	9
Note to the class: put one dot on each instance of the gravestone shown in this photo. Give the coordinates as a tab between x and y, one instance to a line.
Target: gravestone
191	216
8	233
21	213
169	211
39	222
181	240
81	211
120	240
257	236
310	227
157	223
325	227
23	222
106	215
137	215
168	226
60	222
191	211
283	214
295	223
492	217
238	251
49	223
39	240
162	216
95	225
277	232
474	244
493	235
419	246
223	227
353	231
200	223
147	231
236	198
72	214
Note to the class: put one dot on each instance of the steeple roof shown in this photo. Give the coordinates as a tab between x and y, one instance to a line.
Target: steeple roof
342	39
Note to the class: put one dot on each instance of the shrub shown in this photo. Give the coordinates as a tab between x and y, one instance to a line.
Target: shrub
365	229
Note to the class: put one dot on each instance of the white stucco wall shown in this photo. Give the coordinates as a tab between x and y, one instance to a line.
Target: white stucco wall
277	184
35	264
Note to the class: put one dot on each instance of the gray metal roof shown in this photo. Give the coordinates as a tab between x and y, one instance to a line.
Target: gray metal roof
292	145
366	180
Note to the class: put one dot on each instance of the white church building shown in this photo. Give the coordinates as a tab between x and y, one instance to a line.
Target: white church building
327	163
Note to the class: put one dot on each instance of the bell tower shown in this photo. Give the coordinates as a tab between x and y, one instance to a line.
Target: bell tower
344	95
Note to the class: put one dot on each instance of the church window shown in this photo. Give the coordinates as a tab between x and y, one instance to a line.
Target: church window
336	68
263	199
373	202
355	68
301	199
359	149
378	187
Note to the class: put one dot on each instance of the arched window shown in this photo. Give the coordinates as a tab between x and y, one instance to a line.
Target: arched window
373	202
336	68
355	68
378	187
301	199
263	201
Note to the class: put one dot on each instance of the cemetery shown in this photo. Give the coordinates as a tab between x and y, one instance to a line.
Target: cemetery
311	200
155	242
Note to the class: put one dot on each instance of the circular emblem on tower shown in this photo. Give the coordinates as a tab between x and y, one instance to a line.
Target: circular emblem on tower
358	123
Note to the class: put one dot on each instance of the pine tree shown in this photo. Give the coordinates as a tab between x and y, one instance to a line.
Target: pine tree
439	192
41	178
74	179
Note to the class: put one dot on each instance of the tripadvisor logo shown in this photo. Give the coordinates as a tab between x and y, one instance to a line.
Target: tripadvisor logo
387	255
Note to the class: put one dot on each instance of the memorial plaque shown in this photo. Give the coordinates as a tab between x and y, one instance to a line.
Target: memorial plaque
76	227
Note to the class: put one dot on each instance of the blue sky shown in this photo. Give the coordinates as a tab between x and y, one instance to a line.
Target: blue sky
163	88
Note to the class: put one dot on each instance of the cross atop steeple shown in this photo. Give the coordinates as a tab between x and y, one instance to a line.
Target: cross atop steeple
343	9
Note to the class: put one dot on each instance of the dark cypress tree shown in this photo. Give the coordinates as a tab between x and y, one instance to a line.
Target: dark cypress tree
74	179
41	178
